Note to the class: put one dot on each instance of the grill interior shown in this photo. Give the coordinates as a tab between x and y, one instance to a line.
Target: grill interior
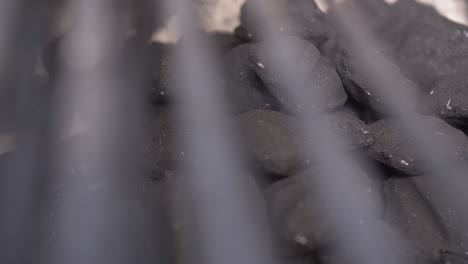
186	131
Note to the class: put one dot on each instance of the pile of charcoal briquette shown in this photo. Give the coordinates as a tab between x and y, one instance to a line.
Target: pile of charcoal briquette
431	53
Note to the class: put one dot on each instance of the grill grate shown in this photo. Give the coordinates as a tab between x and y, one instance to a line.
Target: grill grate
302	137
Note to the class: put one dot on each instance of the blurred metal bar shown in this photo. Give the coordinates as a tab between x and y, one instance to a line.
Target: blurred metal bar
95	208
222	197
20	41
7	11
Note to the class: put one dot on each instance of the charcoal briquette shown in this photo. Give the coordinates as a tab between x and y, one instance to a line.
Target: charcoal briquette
300	18
245	89
395	148
274	141
298	207
324	85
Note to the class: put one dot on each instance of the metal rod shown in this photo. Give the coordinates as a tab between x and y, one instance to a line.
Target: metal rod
229	229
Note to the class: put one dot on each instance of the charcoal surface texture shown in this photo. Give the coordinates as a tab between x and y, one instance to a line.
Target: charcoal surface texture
449	211
428	45
245	89
348	126
298	205
396	149
397	249
276	144
181	204
427	213
393	189
375	12
299	18
159	89
407	209
449	257
274	141
323	83
448	97
363	88
159	154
